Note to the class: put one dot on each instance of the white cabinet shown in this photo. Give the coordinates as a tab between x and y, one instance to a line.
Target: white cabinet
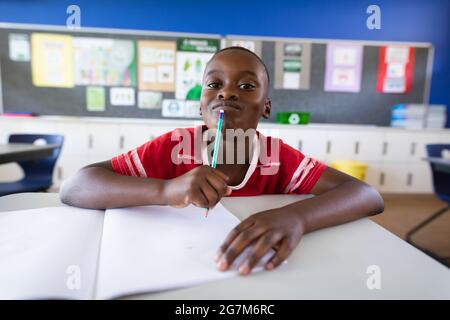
402	178
312	143
421	178
132	136
397	146
103	140
374	174
336	144
368	145
67	165
394	178
420	140
76	138
400	146
353	144
340	146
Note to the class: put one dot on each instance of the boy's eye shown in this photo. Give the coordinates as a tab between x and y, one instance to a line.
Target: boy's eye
213	85
246	86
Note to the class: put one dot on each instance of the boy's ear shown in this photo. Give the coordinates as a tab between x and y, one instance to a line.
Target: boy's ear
267	108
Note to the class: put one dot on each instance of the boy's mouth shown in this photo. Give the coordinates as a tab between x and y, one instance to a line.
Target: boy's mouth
225	105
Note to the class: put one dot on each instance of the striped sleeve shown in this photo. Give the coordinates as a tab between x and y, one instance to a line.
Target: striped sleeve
152	160
299	173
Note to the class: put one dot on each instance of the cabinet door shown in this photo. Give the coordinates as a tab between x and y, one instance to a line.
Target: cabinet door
373	174
312	143
368	146
340	145
67	165
418	146
132	136
76	138
419	178
406	178
103	140
394	177
397	146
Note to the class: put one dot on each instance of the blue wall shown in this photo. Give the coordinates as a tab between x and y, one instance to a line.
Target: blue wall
402	20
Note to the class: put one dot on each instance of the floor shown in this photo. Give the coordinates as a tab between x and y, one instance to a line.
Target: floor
404	212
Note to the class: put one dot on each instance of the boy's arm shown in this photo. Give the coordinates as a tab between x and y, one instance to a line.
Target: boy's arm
97	186
339	198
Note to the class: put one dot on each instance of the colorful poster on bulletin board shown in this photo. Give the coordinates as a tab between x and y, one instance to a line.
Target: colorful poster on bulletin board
106	62
157	65
292	65
343	67
149	99
395	69
192	56
95	98
51	60
19	47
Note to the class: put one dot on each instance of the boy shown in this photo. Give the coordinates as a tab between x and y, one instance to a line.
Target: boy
235	81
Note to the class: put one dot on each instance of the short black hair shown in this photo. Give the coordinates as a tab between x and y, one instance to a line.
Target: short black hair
246	50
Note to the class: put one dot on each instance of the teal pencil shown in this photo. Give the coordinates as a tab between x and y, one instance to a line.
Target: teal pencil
216	145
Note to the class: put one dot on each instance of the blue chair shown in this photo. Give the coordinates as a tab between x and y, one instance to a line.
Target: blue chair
441	186
38	172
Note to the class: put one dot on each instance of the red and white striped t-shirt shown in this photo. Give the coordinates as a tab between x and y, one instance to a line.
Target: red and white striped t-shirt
285	171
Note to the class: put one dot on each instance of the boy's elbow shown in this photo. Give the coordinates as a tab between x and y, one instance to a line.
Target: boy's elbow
65	193
376	200
70	190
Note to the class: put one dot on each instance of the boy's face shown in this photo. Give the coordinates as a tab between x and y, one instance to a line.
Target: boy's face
236	82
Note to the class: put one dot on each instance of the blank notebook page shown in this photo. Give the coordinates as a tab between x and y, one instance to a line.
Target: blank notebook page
41	250
158	248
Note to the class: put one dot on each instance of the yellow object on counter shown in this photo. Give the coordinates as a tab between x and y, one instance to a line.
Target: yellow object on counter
353	168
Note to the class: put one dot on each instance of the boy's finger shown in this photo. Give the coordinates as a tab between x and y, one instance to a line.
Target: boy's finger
210	193
218	184
247	223
262	246
283	252
222	175
242	241
199	199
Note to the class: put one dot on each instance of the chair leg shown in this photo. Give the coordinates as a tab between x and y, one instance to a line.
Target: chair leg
424	223
421	226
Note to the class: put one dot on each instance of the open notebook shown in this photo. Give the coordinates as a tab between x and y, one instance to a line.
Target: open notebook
71	253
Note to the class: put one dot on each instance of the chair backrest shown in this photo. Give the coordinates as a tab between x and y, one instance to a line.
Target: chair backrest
40	168
441	178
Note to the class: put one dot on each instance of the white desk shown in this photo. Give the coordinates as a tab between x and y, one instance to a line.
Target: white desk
328	264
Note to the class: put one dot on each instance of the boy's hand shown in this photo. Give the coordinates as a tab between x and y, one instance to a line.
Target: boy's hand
203	187
265	230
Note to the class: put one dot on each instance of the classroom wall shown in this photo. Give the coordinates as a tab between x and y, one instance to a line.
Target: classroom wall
401	20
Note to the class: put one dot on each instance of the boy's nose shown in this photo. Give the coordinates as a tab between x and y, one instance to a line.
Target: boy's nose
227	95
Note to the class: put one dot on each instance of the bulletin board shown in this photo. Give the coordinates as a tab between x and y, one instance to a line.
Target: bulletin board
20	94
366	105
